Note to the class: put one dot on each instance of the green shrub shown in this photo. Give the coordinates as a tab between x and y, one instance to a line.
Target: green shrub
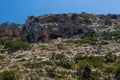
47	63
9	75
84	71
5	40
103	43
1	57
79	57
51	72
82	64
92	60
117	72
109	58
33	65
110	69
15	45
95	61
103	27
92	77
67	65
83	40
61	46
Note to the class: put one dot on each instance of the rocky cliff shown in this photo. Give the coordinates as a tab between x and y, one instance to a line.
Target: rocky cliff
52	26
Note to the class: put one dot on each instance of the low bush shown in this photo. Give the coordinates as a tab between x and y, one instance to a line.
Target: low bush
15	45
67	65
9	75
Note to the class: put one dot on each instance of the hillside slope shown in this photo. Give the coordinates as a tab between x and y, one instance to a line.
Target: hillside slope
61	47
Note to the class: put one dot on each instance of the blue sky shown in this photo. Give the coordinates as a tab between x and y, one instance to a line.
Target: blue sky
18	10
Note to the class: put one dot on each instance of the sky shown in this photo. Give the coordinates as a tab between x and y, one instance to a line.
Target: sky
18	10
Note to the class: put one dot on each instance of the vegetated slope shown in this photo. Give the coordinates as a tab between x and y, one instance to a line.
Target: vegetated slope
64	47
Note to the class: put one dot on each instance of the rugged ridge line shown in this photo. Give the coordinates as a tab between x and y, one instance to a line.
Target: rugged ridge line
52	26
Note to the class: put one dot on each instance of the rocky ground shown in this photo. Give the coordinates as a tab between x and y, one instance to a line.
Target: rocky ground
35	63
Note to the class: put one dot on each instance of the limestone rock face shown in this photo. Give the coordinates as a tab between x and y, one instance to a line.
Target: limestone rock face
52	27
10	30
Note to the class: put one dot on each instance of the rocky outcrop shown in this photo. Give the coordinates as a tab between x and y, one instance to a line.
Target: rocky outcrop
10	30
52	26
